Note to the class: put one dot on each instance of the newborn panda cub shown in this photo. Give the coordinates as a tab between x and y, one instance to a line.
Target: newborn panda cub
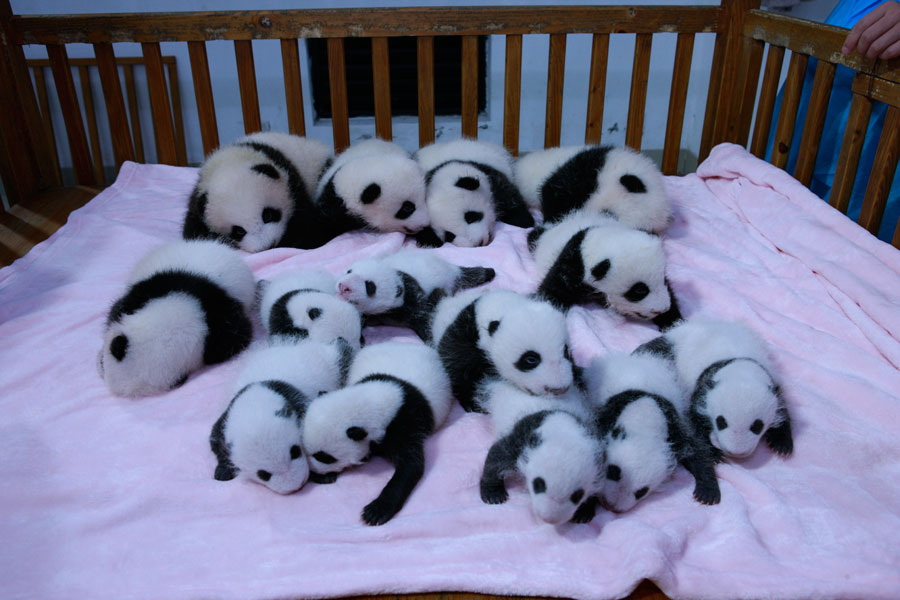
186	306
376	185
299	306
640	417
469	188
397	395
499	333
256	193
591	258
736	400
548	442
259	435
601	179
403	288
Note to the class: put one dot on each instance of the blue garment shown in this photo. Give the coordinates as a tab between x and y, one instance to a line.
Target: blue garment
845	14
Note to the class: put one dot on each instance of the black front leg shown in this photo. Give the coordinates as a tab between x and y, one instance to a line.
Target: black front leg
702	467
780	439
587	510
500	460
409	466
322	477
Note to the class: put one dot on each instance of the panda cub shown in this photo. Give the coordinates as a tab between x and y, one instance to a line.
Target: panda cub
736	400
640	417
401	288
546	440
256	193
469	188
397	395
500	333
592	258
186	306
376	185
259	434
299	306
602	179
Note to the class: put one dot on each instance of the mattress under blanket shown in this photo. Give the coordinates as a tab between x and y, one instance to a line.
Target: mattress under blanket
104	497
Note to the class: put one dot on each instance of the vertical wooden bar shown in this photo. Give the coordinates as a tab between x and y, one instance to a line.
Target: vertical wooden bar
767	101
556	70
851	148
159	105
425	80
175	92
41	85
293	88
337	81
206	108
712	95
784	132
593	129
681	73
882	175
753	53
895	242
815	121
470	86
68	101
381	81
512	93
131	92
87	97
637	103
730	92
115	103
243	53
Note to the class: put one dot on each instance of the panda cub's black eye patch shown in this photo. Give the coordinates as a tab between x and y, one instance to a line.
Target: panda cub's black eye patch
757	427
473	216
577	496
324	458
600	269
370	194
296	452
721	423
370	288
637	292
528	361
264	475
467	183
449	237
641	493
271	215
539	485
314	313
237	233
613	473
118	347
406	209
357	434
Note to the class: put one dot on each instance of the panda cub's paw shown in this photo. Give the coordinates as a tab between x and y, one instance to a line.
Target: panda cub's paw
322	478
493	493
780	440
587	510
427	238
707	492
379	511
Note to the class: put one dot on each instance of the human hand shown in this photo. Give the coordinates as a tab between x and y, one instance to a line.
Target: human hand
877	35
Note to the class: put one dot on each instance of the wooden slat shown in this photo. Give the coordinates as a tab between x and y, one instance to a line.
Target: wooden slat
133	111
512	93
593	129
328	23
750	67
164	134
876	88
87	96
115	103
47	118
681	73
815	121
425	79
206	108
470	86
767	95
712	94
243	53
68	101
637	102
381	81
790	101
337	82
882	175
851	147
895	242
556	69
293	88
730	93
175	93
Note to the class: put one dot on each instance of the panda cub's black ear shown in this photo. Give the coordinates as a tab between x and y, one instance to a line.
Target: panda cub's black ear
467	183
370	194
492	327
266	169
225	471
357	434
633	184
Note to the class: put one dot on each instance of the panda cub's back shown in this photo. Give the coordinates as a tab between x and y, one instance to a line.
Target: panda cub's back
428	270
699	343
311	367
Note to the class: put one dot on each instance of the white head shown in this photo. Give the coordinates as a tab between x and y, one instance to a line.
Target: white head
460	205
316	316
371	285
741	404
526	340
631	187
259	438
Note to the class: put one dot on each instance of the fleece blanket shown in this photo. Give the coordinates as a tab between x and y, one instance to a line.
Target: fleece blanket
103	497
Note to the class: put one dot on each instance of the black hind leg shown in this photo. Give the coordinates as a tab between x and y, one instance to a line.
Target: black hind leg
474	276
409	466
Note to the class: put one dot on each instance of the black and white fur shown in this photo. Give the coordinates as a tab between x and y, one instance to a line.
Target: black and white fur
640	416
736	400
601	179
256	193
376	185
258	437
549	442
469	188
402	288
186	306
592	258
303	305
397	395
500	333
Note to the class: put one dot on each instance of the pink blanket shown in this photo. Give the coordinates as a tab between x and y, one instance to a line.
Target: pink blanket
110	498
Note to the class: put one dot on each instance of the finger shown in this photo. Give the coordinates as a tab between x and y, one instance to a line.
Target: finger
872	33
892	51
883	42
861	26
